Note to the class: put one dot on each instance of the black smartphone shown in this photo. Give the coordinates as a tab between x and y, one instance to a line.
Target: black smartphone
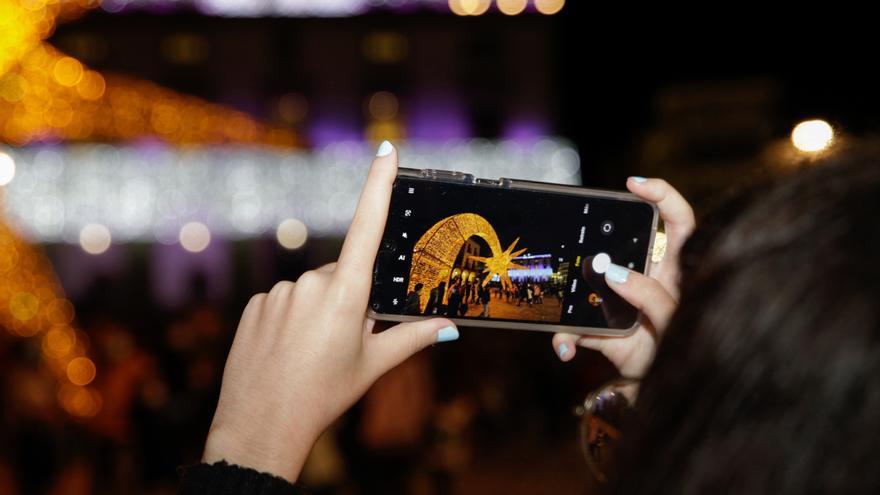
506	253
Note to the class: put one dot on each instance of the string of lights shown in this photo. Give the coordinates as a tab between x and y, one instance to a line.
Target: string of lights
98	194
34	306
154	190
32	301
46	96
336	8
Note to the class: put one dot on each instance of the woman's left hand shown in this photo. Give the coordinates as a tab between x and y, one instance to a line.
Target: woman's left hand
656	296
306	351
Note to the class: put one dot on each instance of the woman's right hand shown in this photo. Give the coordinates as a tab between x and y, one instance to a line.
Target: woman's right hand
656	296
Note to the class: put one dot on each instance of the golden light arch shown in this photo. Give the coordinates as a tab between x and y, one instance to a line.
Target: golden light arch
435	253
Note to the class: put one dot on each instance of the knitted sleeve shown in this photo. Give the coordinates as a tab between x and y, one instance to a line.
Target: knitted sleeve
227	479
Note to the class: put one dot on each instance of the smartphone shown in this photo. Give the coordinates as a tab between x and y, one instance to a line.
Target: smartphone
508	253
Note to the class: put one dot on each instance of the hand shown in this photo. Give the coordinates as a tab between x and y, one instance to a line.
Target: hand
305	352
655	295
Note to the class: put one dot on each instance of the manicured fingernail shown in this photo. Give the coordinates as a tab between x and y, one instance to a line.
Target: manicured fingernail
446	334
638	179
616	273
385	149
563	350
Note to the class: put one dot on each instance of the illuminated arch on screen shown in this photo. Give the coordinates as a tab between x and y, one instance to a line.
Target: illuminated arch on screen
435	252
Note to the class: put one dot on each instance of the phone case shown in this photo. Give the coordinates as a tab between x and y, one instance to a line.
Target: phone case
462	178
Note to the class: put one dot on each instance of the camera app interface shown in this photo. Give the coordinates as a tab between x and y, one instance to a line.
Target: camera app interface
485	252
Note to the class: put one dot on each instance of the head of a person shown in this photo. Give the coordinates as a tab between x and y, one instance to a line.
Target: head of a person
767	379
419	286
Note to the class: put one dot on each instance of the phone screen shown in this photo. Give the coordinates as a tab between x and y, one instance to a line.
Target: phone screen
471	251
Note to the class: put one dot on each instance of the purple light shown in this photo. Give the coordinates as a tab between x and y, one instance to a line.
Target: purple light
173	270
525	130
437	117
282	8
78	270
333	125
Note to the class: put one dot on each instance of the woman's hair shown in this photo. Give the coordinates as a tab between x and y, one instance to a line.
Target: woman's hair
768	378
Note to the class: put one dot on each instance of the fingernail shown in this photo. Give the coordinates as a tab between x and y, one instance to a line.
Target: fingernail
446	334
616	273
638	179
385	149
563	350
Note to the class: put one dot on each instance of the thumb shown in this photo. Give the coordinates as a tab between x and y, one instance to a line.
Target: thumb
645	293
398	343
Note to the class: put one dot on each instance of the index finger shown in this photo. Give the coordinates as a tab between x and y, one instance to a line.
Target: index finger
367	226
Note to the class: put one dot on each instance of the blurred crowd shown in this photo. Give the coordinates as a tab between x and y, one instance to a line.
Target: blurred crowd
435	425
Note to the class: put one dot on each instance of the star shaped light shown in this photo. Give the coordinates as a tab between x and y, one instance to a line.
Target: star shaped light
499	263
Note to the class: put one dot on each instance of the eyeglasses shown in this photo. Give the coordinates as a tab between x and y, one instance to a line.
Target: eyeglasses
603	414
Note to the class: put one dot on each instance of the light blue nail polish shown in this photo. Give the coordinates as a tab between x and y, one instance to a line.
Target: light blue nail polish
446	334
563	350
385	149
639	179
616	273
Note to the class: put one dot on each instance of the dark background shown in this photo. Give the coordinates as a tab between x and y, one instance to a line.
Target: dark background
705	98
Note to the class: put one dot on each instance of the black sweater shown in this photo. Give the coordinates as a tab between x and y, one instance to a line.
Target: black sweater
228	479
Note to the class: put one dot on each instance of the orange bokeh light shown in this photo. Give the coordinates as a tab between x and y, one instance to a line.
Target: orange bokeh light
80	401
81	371
58	342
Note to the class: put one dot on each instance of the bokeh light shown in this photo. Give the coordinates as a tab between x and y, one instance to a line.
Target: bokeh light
385	47
80	401
32	301
185	49
7	169
469	7
195	237
252	189
549	7
68	71
95	238
383	105
24	306
812	135
456	8
293	108
58	342
512	7
81	371
46	95
292	233
92	86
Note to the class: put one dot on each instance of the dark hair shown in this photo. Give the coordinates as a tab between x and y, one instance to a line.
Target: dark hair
419	286
768	377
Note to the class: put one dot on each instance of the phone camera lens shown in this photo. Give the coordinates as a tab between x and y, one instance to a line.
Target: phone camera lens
607	227
388	245
376	306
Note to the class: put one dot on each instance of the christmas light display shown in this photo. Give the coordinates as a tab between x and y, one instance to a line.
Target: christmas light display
499	264
48	96
32	304
146	190
334	8
148	193
435	253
